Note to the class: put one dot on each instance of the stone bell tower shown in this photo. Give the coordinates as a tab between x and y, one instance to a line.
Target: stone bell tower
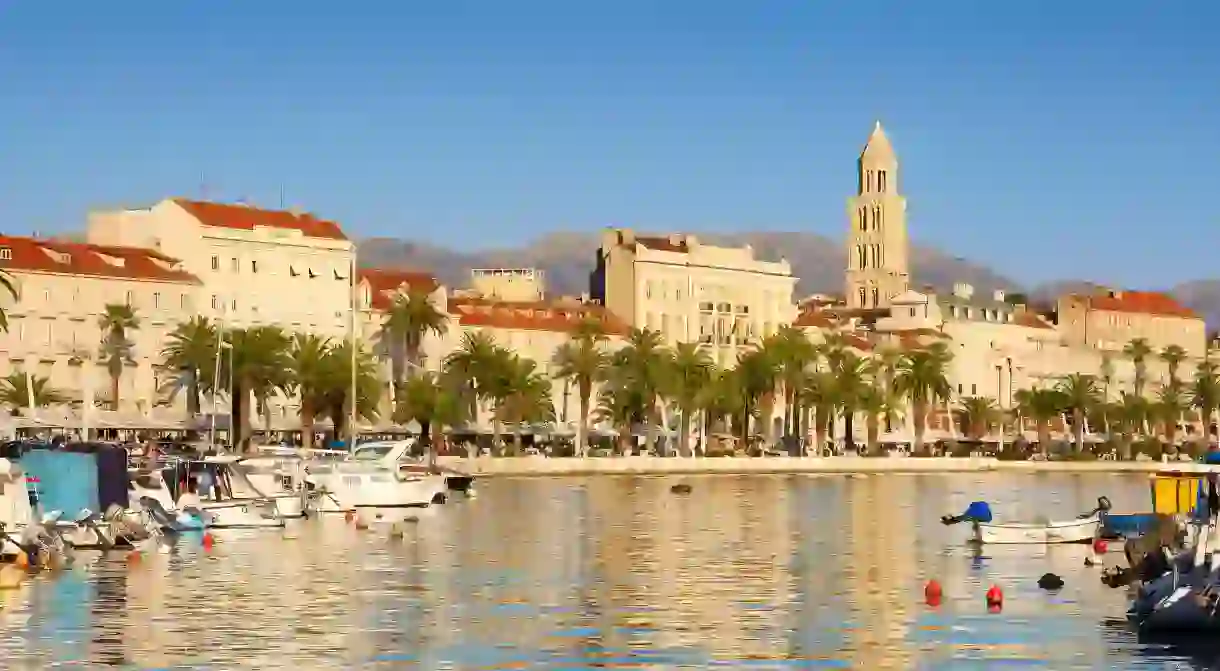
877	267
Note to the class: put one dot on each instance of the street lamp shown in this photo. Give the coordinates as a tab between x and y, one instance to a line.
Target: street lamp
221	345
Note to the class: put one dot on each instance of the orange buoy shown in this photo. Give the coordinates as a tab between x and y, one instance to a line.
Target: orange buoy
22	560
1100	546
349	516
995	598
932	593
134	557
208	541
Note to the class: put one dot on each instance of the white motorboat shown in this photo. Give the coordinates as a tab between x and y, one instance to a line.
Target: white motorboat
278	477
1083	529
395	455
370	490
233	502
1070	531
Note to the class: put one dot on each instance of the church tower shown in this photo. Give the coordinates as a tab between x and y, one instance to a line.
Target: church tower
877	242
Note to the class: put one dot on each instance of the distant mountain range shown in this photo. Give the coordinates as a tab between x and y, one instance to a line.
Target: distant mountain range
818	261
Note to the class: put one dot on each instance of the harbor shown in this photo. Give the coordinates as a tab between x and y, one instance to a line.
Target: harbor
582	572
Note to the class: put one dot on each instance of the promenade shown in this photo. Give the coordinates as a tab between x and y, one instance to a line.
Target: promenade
542	466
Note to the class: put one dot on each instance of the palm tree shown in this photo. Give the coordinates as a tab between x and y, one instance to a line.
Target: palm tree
820	395
1081	395
1042	406
252	358
583	360
410	319
1132	413
643	361
756	377
1171	402
426	400
922	379
883	365
8	286
690	372
793	355
1107	374
878	405
190	356
621	404
851	379
116	323
312	379
16	390
368	386
472	366
1138	351
1205	394
523	396
976	414
1173	356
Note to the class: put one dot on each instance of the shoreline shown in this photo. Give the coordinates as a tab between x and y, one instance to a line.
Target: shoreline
574	466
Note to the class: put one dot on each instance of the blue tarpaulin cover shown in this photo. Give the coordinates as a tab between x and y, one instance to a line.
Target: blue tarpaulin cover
67	480
978	511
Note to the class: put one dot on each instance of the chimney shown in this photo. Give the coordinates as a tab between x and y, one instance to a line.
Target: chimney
998	296
963	291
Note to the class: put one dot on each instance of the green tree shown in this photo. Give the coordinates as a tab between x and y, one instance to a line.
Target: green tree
1138	351
583	360
16	388
922	379
976	415
189	357
251	358
1081	396
428	401
117	323
690	372
1205	394
410	319
1042	406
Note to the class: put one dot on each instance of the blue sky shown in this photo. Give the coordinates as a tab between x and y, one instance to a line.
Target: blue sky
1047	140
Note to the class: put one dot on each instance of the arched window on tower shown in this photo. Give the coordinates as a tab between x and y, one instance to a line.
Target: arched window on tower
863	218
876	256
876	219
860	258
881	181
876	298
868	181
863	297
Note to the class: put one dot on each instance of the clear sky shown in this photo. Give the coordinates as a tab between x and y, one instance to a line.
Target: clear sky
1046	139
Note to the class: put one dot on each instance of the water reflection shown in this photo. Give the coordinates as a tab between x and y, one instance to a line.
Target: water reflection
773	572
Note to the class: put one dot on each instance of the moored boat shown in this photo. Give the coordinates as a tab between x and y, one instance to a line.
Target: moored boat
984	529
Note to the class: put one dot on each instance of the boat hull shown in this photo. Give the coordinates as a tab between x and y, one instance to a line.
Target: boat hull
241	515
1073	531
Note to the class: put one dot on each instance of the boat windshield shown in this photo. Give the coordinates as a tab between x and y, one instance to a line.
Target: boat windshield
372	452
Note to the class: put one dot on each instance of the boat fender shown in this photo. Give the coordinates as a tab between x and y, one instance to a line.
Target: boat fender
680	488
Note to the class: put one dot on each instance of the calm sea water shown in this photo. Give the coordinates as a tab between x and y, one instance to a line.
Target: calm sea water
744	572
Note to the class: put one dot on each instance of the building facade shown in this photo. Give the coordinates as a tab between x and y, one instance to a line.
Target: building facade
877	267
1110	319
723	298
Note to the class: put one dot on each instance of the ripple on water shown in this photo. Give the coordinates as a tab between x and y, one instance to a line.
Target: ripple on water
752	572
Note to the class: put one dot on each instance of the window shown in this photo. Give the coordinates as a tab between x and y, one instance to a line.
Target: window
6	254
156	299
183	302
863	297
864	218
235	264
912	312
881	181
233	303
974	390
254	266
130	298
215	263
48	333
876	298
876	217
861	262
215	302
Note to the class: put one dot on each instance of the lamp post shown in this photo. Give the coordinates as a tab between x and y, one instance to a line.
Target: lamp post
999	384
221	345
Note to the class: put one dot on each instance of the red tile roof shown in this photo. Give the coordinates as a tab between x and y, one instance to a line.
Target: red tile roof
557	316
75	258
1032	321
1142	302
223	215
815	319
385	283
857	342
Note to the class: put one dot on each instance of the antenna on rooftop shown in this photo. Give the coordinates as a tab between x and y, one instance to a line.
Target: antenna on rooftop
281	196
203	185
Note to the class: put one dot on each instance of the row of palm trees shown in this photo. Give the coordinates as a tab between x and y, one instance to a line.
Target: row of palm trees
643	383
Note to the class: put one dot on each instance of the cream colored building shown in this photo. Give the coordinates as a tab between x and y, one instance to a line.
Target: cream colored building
1110	319
689	291
256	266
63	287
509	284
877	267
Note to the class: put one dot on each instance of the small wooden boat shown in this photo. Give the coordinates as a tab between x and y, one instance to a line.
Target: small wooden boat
1082	530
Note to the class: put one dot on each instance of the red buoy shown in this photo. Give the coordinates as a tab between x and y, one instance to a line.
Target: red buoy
995	598
932	593
207	541
1100	546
